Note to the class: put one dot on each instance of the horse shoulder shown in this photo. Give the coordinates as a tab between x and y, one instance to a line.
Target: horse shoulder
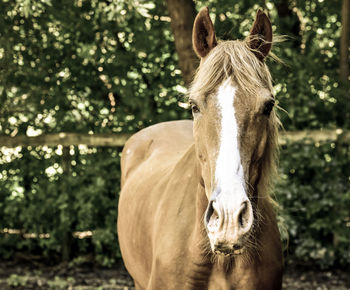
157	142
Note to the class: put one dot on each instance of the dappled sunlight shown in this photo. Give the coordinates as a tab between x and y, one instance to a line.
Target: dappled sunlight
97	71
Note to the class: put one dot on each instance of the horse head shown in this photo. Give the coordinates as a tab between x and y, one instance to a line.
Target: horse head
234	129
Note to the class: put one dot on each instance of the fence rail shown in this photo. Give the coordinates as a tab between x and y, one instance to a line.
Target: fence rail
313	136
66	139
119	139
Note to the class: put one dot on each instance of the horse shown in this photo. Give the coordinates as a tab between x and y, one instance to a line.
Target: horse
195	208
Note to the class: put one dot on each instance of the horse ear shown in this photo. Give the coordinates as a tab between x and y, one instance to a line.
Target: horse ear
260	37
203	35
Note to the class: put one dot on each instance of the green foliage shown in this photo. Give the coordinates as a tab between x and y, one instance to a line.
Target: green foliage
314	194
17	281
47	201
85	66
60	283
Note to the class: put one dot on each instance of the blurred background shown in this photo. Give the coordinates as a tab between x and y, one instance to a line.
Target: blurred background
77	77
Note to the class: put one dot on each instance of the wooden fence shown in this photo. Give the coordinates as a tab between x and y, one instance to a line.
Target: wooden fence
118	140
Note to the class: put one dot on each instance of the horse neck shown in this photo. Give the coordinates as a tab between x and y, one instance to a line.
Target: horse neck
200	263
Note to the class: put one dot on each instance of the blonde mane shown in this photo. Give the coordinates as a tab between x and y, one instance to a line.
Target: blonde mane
235	60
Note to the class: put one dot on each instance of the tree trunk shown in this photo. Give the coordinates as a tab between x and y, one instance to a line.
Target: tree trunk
67	231
344	43
289	21
182	14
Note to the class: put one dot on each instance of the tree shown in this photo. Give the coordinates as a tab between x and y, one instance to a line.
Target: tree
182	14
290	22
344	42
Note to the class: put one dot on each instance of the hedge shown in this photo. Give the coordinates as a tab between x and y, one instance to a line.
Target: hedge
44	191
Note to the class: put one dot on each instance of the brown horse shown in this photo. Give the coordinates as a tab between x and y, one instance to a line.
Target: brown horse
195	210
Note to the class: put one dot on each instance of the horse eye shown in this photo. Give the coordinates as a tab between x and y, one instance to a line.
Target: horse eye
268	107
194	108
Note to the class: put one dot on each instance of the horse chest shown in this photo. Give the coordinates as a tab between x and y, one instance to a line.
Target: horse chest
244	279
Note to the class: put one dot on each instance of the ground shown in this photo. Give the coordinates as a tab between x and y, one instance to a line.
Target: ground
15	275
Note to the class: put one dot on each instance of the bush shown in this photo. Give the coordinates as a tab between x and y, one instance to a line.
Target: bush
36	196
314	195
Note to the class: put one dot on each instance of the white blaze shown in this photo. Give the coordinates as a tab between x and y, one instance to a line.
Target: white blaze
229	171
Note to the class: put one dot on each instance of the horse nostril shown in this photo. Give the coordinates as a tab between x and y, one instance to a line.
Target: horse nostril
245	216
212	217
240	220
242	214
210	211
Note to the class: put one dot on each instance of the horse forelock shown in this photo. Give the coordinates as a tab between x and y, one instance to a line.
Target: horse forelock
231	59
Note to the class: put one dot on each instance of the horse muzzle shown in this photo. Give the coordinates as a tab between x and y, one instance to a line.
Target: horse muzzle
228	225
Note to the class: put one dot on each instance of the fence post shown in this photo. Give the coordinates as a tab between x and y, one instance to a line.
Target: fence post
65	187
